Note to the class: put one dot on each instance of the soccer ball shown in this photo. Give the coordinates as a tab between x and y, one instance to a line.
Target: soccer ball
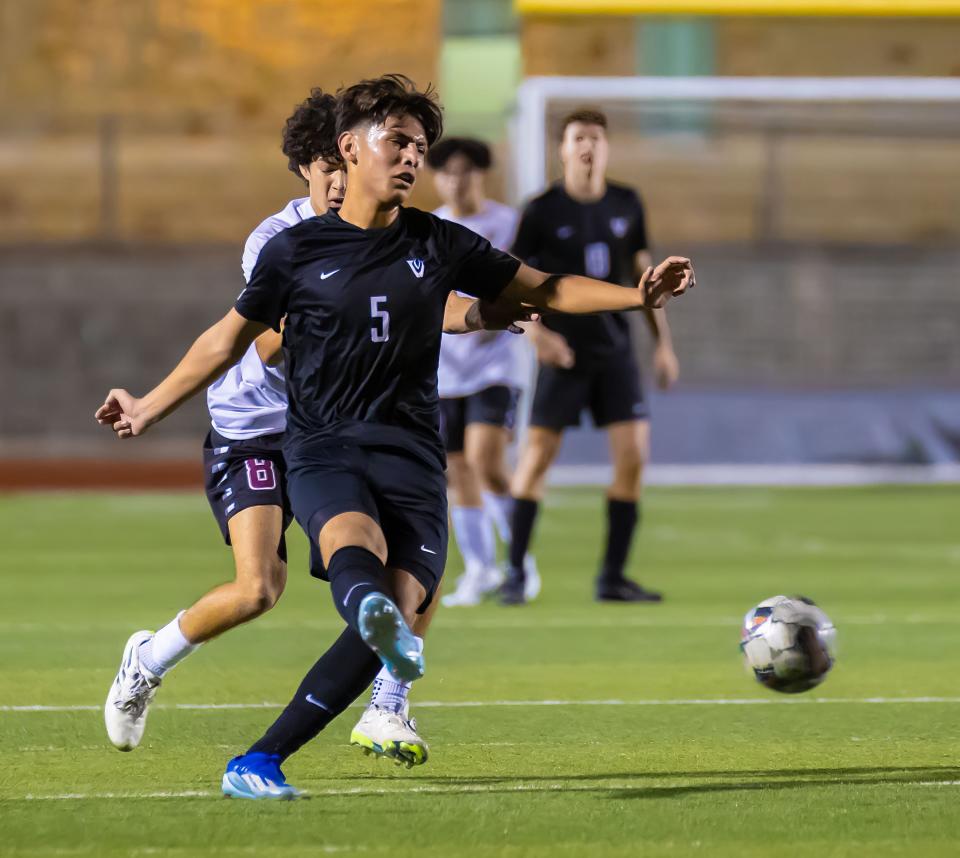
787	643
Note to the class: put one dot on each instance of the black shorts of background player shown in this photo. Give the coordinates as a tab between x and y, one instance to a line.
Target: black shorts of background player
585	224
476	429
364	292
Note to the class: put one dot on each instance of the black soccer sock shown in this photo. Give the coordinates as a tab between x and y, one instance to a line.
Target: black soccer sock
622	520
338	678
522	521
354	573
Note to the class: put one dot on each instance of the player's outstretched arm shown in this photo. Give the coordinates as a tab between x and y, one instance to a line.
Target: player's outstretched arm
465	315
212	353
567	293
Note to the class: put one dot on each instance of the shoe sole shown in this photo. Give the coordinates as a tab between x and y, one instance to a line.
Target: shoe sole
233	787
403	753
384	630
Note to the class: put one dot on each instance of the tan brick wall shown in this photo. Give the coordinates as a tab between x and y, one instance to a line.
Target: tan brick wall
605	45
201	89
578	45
838	46
248	59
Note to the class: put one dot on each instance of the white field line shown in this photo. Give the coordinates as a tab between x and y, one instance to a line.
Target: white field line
430	790
470	704
480	623
763	475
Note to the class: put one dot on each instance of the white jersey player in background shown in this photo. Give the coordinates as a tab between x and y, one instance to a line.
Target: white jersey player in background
243	461
480	379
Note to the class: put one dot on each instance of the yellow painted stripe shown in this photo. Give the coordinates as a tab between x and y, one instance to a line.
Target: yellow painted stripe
782	8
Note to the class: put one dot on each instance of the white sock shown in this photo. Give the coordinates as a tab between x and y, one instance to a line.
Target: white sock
474	532
499	508
388	693
166	648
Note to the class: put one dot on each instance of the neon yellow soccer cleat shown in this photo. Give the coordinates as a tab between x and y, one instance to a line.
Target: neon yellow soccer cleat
388	734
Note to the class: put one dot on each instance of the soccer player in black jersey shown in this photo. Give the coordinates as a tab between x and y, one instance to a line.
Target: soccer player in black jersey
363	292
587	225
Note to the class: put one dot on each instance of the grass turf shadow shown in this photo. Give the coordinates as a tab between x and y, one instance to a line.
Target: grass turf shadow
739	780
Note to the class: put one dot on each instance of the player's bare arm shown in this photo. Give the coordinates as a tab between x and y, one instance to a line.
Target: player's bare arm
270	347
666	367
467	315
552	349
212	353
566	293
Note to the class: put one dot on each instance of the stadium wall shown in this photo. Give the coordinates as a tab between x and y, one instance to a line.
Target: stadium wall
120	120
808	354
748	45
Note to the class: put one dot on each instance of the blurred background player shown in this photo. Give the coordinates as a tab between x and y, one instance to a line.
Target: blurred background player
243	461
480	379
585	224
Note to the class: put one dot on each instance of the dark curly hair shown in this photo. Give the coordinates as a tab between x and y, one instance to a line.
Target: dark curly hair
390	95
475	151
310	133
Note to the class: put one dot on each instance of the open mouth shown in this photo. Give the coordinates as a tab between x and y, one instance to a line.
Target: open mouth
335	203
407	178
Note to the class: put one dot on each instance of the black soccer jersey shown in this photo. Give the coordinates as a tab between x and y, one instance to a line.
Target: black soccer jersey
559	235
364	313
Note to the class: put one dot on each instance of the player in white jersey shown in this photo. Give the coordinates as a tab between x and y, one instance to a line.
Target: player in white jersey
243	462
480	379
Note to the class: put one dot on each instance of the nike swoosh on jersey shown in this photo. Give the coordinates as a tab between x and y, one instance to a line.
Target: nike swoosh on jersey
325	274
424	548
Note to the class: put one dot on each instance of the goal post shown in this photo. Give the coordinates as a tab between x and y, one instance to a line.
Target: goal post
807	203
536	96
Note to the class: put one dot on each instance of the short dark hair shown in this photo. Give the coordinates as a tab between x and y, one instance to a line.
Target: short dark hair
586	115
475	151
310	133
390	95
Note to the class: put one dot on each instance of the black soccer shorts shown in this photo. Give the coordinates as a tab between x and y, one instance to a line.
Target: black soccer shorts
495	406
612	392
242	474
403	494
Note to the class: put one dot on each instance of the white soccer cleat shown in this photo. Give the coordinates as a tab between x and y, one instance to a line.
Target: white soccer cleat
389	734
125	712
490	579
531	578
467	593
473	586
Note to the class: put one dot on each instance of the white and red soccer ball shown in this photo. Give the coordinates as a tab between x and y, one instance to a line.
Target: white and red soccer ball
788	644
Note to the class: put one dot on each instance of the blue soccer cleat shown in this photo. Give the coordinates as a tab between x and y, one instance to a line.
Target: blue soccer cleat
257	776
384	630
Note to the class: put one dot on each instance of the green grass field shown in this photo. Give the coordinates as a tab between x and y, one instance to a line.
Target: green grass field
591	729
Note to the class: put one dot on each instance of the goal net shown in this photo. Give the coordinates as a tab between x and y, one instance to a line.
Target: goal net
824	217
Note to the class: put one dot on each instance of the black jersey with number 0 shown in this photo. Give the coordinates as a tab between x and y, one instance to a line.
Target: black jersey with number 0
364	313
559	235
